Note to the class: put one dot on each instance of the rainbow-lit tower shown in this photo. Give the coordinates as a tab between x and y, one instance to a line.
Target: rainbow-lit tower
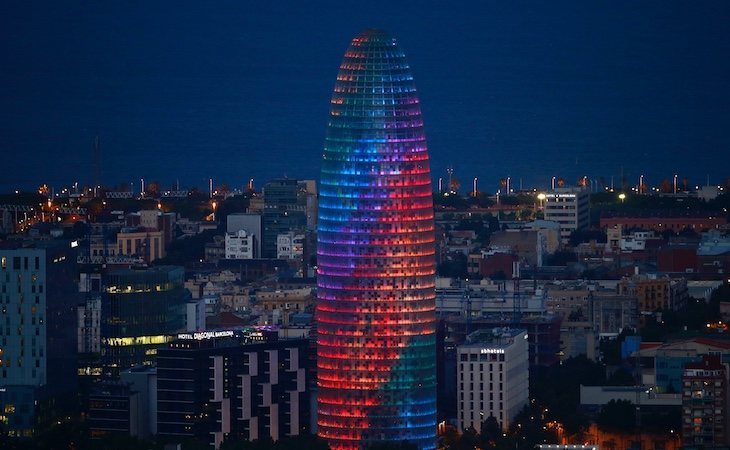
376	347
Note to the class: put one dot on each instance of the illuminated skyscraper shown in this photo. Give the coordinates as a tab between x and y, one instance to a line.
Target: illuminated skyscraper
376	301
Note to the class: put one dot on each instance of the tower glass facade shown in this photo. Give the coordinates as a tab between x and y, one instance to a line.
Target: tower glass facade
376	353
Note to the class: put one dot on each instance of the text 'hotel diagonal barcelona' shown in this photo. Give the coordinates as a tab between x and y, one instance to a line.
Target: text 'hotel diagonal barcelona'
376	356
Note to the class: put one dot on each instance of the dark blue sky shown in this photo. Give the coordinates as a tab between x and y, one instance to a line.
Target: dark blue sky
234	90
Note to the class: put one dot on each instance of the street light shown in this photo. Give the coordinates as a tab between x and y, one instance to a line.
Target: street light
622	196
541	197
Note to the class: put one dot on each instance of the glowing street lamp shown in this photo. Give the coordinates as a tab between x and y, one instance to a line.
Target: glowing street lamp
622	196
541	197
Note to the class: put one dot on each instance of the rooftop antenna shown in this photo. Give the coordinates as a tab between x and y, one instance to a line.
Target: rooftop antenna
97	164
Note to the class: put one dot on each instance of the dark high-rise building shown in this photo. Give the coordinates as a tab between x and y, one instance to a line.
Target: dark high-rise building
246	384
285	209
38	296
376	352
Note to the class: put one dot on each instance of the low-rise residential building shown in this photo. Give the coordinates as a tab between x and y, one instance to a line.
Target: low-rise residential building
149	245
275	306
655	292
290	245
251	223
705	403
713	253
241	245
579	338
655	220
612	313
663	362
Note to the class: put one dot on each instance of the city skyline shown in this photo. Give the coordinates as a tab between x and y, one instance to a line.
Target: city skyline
194	92
494	225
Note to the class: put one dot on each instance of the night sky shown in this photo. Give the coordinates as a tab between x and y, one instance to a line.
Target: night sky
236	90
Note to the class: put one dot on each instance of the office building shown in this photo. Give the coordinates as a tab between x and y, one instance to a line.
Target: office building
493	377
141	310
125	407
569	207
285	209
38	297
376	322
243	383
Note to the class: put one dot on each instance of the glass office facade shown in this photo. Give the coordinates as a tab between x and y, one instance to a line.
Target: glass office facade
141	310
376	300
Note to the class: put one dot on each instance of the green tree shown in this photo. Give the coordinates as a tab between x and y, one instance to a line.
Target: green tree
490	435
621	377
617	415
558	388
468	440
455	267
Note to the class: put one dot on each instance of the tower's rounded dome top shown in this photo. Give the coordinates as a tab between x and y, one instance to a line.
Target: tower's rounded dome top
374	36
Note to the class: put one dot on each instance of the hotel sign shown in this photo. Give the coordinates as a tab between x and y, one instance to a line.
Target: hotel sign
491	350
202	335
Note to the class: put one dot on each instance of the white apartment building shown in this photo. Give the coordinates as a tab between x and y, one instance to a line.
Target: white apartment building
290	245
492	371
569	207
241	245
